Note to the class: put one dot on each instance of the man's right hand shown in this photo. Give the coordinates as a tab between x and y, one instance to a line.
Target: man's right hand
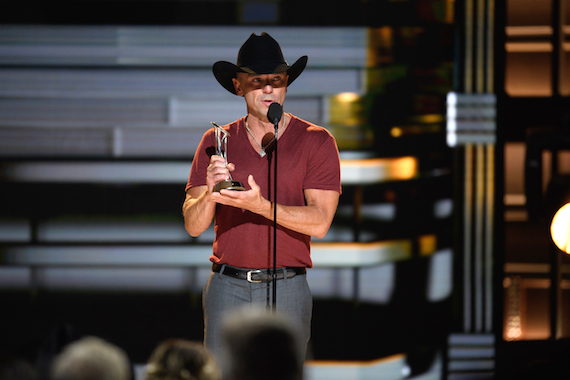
199	208
217	171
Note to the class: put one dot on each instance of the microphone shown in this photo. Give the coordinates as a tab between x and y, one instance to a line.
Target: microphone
274	113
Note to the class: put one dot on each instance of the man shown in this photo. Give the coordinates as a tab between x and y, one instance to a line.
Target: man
308	191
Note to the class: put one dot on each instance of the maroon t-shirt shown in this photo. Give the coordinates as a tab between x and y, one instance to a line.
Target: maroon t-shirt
307	158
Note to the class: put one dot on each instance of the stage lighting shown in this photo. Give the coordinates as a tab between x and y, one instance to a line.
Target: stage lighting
560	228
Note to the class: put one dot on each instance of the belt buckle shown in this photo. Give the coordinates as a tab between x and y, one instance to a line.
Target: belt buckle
249	273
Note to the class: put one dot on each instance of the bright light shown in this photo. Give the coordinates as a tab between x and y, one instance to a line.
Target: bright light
452	99
514	331
396	132
451	139
347	97
560	228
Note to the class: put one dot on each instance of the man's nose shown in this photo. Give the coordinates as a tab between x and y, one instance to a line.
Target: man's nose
268	87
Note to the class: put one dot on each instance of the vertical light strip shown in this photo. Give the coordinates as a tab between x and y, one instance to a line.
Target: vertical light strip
490	191
478	238
468	206
480	46
468	80
117	142
559	308
467	223
490	61
490	215
562	69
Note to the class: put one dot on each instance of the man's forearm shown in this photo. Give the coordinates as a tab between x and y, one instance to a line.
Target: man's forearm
307	220
198	212
313	219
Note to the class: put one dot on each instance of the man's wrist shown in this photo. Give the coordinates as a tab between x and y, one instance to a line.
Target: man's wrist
269	210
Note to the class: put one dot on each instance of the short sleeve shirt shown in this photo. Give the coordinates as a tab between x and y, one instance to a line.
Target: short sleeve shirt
307	158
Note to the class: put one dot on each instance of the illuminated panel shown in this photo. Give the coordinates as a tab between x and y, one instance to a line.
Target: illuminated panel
323	255
360	254
470	118
359	171
529	69
376	170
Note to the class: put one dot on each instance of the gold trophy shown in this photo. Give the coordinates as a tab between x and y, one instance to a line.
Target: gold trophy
222	151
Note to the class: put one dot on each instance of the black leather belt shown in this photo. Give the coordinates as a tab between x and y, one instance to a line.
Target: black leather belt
258	275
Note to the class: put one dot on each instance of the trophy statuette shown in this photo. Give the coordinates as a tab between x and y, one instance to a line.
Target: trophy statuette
222	151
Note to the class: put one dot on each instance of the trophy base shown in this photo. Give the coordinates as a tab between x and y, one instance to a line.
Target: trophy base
229	185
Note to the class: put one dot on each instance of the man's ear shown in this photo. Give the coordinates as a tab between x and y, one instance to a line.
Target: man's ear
237	87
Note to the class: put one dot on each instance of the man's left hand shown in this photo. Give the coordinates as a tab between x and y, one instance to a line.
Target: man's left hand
250	200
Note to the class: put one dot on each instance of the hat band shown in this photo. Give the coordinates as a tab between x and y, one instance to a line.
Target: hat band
265	69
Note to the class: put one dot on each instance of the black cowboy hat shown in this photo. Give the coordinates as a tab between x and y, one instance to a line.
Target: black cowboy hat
258	55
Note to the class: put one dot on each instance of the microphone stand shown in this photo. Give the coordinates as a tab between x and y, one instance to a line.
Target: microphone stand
274	304
274	114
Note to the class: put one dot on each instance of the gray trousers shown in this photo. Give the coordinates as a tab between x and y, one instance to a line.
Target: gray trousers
222	294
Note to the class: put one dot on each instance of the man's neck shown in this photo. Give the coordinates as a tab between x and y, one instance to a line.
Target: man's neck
261	126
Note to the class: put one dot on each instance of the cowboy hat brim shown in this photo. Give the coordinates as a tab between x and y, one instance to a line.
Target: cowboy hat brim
225	71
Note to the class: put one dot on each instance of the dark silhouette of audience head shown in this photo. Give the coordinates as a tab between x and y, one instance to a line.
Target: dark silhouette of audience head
259	344
16	368
180	359
91	358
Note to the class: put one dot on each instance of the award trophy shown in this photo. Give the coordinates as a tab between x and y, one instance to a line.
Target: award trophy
222	142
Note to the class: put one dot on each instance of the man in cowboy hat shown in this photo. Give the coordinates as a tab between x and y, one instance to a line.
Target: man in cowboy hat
308	191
